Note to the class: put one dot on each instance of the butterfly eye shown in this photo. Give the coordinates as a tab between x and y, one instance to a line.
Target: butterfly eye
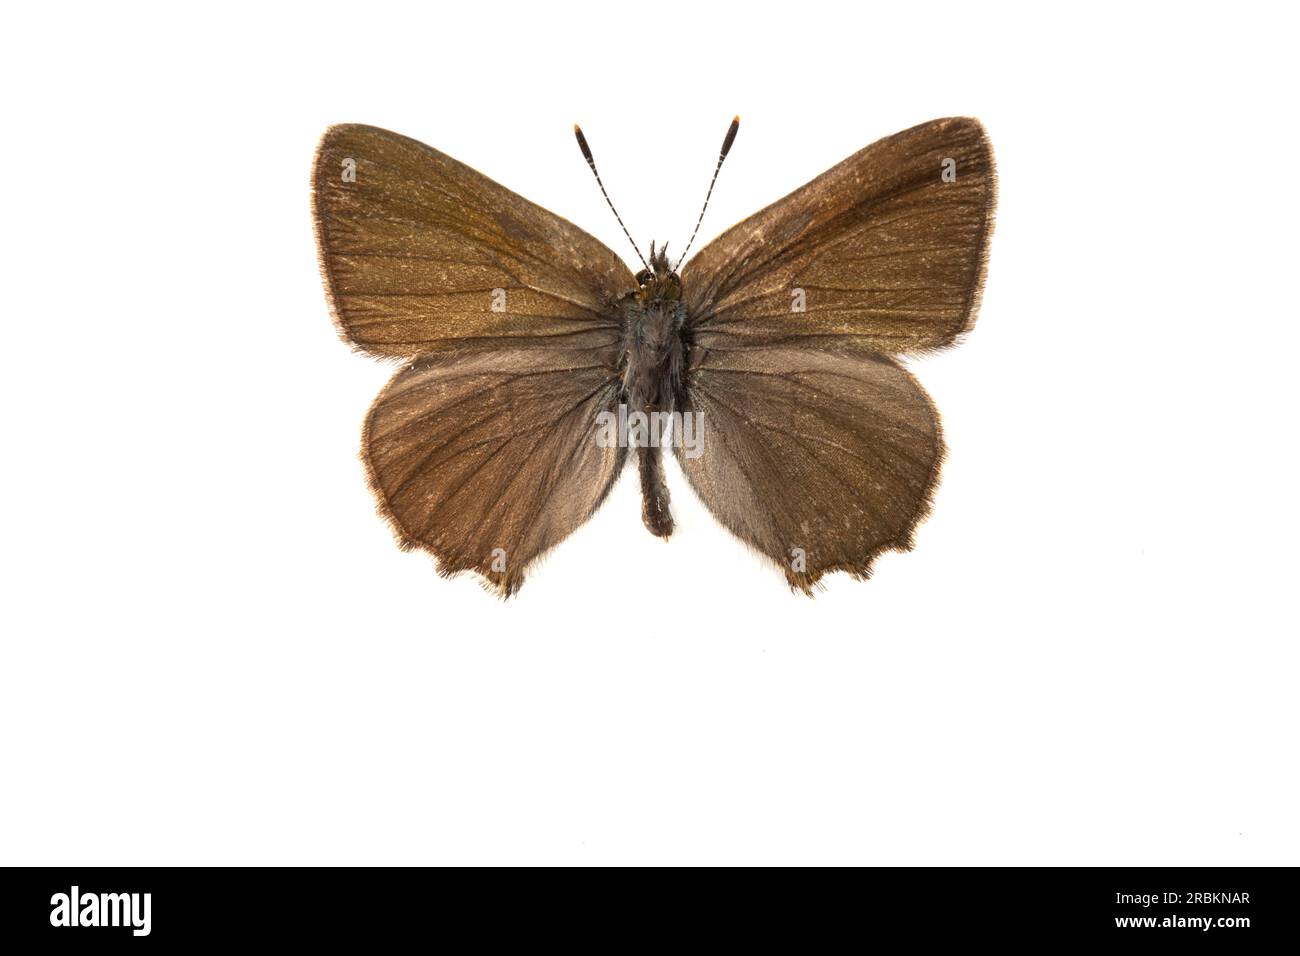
643	277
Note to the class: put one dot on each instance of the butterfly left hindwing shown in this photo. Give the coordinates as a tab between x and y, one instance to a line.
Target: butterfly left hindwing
486	457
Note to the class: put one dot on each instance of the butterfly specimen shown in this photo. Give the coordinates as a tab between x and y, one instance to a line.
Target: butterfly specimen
521	335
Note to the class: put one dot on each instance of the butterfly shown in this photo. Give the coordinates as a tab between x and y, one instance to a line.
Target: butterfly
524	342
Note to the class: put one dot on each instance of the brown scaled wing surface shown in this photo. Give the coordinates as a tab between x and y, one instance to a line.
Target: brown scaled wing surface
481	449
819	449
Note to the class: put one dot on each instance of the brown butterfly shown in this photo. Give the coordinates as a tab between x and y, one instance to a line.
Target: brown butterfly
526	342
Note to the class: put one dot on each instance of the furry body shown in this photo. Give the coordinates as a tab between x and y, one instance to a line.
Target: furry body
654	359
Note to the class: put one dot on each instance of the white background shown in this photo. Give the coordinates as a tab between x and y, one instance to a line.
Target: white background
213	652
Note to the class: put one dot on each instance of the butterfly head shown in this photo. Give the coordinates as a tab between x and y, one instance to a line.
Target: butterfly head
659	283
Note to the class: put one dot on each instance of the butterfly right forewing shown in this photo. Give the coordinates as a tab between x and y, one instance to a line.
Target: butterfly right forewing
884	252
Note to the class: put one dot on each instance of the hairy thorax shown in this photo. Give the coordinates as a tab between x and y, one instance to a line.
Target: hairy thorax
654	352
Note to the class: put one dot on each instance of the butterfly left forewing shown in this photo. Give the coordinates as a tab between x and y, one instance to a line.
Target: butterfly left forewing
419	251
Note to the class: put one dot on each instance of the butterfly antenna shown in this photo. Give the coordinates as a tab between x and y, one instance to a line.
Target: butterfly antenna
586	152
726	148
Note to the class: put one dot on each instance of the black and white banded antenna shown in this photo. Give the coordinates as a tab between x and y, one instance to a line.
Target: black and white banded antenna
586	152
726	148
